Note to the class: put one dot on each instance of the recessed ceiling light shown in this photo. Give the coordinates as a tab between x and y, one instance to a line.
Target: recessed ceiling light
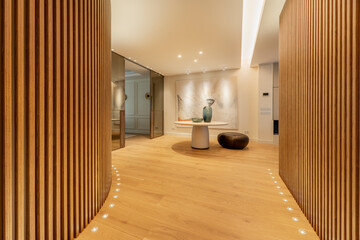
285	200
112	205
116	196
118	179
201	52
289	208
179	56
302	231
118	184
117	189
94	229
278	187
295	219
281	193
195	60
105	215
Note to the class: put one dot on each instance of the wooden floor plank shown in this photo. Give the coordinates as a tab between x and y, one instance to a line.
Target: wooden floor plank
164	189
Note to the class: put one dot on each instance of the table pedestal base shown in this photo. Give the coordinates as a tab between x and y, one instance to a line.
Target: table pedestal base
200	137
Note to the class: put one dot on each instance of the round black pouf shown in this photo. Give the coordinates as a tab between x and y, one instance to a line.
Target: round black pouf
233	140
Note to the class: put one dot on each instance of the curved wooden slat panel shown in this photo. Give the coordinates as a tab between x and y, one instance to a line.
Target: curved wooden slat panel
319	112
55	116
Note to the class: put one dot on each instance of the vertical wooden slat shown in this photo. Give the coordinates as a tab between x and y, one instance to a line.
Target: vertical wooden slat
49	105
70	109
81	112
31	124
20	121
2	116
319	130
7	124
76	122
40	120
64	120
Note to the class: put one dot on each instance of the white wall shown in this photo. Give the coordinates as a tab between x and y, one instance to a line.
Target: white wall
266	78
247	101
268	105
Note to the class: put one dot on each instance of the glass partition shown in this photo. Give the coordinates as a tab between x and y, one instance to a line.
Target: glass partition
157	105
118	101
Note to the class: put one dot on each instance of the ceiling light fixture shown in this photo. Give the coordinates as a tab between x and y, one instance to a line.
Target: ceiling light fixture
195	60
201	52
179	56
295	219
289	208
105	215
94	229
302	231
112	205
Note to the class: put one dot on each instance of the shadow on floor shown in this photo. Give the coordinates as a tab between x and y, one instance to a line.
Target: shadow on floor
215	150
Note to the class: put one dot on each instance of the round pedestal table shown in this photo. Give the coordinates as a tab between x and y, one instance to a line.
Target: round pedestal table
200	132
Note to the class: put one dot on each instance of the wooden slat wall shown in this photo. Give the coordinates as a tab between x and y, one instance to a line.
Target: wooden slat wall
55	116
319	112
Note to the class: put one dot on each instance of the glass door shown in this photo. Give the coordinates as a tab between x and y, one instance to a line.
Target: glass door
157	105
118	101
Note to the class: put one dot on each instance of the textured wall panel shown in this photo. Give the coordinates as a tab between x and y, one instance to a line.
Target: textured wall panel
319	112
55	116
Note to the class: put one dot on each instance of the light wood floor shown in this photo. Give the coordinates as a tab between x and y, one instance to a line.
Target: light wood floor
167	190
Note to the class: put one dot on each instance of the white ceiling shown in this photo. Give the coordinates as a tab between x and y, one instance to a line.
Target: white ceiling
267	42
154	32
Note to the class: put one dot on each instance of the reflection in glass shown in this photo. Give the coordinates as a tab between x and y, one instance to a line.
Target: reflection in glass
118	100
